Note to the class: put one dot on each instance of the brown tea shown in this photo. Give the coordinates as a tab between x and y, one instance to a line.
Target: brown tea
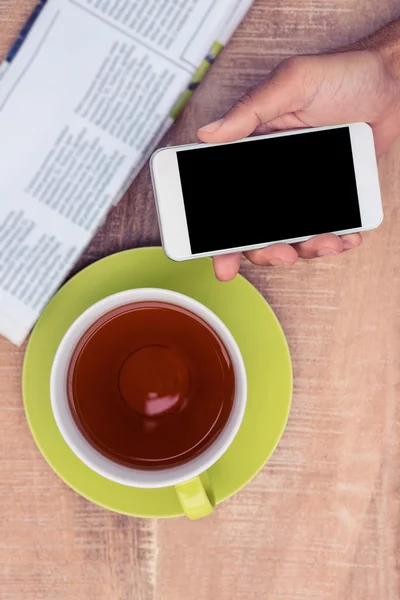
150	385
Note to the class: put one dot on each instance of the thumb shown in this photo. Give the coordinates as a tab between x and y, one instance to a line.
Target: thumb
273	98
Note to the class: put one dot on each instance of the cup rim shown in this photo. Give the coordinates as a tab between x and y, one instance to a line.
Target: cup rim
91	457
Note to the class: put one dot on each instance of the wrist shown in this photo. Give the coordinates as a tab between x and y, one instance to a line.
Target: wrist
391	58
387	42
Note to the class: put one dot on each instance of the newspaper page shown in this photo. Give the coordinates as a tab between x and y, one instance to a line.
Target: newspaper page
86	92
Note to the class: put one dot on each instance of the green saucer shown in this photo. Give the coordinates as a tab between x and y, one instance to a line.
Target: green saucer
243	310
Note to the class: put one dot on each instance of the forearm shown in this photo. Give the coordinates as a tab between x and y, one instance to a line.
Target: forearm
385	45
386	41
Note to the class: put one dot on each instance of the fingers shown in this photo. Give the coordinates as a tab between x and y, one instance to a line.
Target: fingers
327	244
321	245
351	240
277	254
278	95
227	266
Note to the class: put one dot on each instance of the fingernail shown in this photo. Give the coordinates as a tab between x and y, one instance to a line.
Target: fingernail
327	252
211	127
347	245
276	262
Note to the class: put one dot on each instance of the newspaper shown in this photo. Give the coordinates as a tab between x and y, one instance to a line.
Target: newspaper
86	92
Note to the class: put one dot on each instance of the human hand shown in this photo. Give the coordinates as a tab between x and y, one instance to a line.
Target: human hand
361	83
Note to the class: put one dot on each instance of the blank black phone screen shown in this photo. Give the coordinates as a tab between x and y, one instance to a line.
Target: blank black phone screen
269	190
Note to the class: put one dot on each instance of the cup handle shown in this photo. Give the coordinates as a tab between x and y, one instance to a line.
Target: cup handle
196	497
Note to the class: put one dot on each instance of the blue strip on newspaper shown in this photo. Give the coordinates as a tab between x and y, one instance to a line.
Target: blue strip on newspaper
24	31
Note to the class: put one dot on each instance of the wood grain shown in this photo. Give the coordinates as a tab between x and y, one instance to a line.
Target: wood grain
322	520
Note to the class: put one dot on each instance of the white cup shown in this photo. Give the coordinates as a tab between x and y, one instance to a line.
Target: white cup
192	494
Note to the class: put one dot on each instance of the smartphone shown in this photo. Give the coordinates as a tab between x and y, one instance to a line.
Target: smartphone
284	187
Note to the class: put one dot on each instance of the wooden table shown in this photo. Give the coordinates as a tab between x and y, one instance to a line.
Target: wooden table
322	520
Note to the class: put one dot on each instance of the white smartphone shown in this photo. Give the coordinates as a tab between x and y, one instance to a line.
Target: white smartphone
285	187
